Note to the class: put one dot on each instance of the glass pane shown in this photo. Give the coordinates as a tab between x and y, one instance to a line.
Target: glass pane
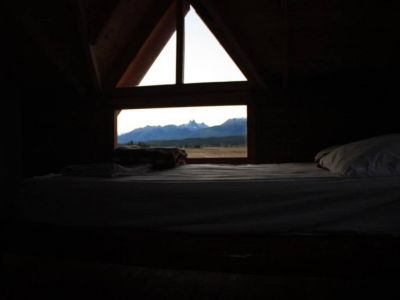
162	71
204	132
205	59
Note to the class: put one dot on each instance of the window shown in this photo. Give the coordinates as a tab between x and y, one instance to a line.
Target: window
204	132
205	60
192	69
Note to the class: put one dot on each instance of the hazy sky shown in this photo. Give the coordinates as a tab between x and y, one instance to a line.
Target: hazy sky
205	61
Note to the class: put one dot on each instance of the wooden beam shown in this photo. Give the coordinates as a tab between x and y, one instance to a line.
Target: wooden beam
97	13
251	130
149	51
142	32
178	101
91	64
203	94
180	41
234	86
212	19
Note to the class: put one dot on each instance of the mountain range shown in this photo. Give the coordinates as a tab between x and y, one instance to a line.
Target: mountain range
231	127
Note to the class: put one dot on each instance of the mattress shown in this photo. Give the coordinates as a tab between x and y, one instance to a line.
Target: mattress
282	199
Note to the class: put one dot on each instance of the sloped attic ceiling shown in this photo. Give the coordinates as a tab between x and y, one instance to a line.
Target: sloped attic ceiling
295	42
288	43
123	34
96	14
55	27
132	23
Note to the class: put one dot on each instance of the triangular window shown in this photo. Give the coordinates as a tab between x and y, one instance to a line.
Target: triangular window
204	59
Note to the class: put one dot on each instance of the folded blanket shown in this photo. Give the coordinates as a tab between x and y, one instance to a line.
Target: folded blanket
159	158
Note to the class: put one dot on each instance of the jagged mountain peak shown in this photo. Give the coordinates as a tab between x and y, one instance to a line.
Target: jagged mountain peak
194	125
192	129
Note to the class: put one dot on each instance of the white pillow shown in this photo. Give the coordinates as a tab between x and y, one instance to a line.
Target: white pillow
377	156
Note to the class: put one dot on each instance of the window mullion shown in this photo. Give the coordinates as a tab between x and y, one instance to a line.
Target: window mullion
180	41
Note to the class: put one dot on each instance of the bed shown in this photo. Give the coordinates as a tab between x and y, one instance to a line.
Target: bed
291	218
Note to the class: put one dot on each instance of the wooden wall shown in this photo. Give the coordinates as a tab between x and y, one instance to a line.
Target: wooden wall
330	67
62	119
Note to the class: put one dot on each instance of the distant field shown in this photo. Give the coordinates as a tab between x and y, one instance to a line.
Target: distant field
208	152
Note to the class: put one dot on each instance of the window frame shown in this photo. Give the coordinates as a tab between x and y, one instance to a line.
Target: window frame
183	94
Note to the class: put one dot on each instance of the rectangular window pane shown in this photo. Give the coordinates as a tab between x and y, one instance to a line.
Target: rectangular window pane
204	132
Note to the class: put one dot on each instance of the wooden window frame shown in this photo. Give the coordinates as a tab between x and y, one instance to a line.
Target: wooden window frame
183	94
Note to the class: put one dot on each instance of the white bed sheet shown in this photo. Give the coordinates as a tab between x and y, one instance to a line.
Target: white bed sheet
219	199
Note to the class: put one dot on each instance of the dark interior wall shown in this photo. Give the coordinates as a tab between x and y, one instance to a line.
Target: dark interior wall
63	120
10	127
342	60
330	67
10	120
59	125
